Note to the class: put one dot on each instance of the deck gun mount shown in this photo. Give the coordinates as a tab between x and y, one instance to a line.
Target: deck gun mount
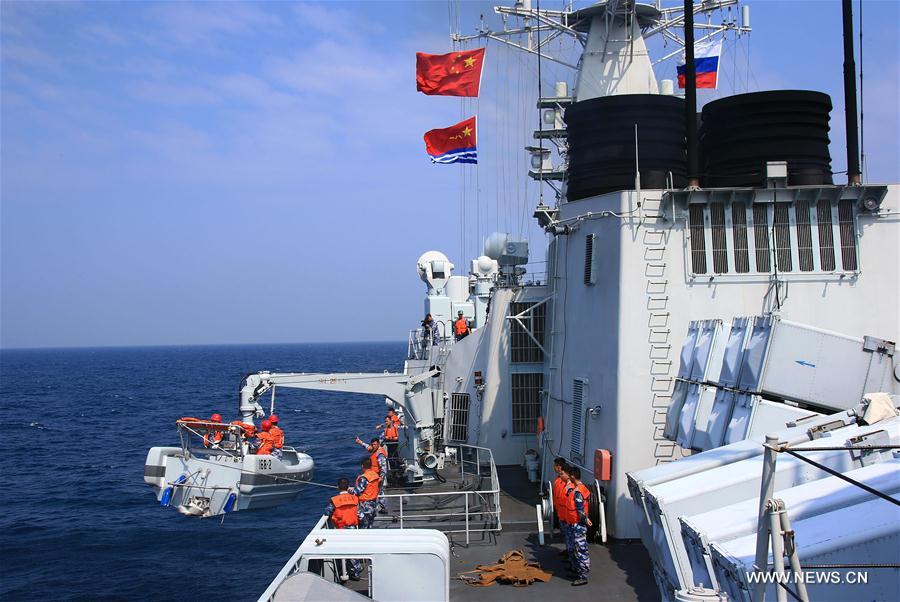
410	394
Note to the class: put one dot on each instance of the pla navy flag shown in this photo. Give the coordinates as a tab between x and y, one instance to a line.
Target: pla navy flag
454	74
706	57
455	144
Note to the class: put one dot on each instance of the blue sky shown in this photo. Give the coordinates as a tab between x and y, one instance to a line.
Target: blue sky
178	173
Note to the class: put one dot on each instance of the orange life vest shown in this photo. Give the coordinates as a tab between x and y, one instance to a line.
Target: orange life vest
346	506
279	436
374	458
560	488
249	429
461	327
266	443
371	490
571	515
211	438
390	432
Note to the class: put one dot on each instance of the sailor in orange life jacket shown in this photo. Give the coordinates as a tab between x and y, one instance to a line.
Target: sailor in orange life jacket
560	486
395	420
366	488
213	437
343	510
266	439
391	437
378	456
461	326
577	517
278	434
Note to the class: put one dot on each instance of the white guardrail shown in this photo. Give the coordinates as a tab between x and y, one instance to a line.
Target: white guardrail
480	504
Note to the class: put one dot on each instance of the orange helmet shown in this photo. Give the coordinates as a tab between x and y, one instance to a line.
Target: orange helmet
266	425
216	418
273	418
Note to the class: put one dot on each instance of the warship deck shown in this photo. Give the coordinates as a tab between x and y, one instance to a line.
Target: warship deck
620	570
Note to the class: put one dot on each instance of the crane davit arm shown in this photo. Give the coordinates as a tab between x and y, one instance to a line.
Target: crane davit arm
394	386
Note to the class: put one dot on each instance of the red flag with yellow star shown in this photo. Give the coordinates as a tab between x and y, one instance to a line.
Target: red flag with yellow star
454	74
455	144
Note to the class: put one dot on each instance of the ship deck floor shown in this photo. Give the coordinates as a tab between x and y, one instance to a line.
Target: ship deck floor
620	570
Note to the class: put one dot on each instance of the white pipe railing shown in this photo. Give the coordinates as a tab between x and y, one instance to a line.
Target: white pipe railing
489	497
468	513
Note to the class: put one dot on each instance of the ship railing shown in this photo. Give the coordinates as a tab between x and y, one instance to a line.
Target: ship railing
418	348
774	531
293	564
193	436
535	274
477	509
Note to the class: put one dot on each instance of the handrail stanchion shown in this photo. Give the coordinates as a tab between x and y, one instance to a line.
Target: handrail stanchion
467	518
767	490
401	511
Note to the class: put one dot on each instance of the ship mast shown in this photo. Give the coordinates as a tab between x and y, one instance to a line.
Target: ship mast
614	58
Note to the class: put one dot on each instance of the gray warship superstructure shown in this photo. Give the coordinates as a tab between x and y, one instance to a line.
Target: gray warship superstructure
712	344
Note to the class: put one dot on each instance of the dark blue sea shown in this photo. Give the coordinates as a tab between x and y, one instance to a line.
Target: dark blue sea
77	521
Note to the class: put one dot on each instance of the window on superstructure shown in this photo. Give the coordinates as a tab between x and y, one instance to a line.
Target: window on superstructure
848	235
782	228
761	237
797	238
589	259
459	418
526	401
719	242
575	442
698	238
804	237
526	333
739	234
825	228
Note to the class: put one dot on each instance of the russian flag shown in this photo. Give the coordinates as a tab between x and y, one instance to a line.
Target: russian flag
706	58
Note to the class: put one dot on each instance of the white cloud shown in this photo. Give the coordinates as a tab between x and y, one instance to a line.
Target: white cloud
207	25
104	33
175	94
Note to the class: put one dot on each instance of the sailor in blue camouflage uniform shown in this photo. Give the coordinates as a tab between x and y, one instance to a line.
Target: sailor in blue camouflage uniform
576	498
343	510
367	486
372	447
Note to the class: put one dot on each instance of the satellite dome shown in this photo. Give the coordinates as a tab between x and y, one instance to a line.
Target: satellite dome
485	264
495	245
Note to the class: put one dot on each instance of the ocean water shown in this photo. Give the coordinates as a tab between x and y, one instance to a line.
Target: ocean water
77	520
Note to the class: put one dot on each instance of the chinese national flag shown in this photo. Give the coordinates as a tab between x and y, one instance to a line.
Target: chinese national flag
454	74
455	144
